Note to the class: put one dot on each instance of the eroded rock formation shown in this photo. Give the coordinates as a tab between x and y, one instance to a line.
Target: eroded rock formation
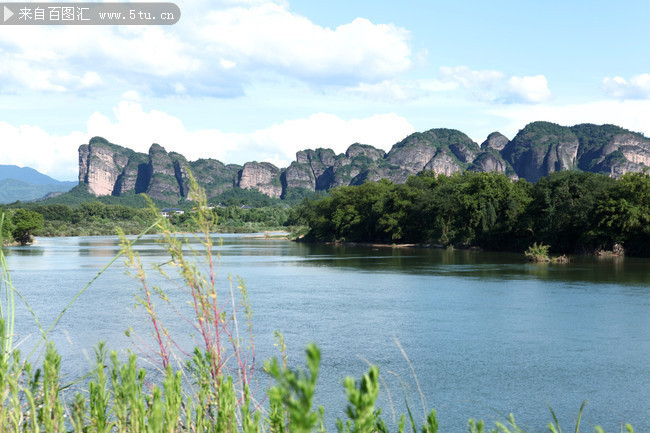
537	150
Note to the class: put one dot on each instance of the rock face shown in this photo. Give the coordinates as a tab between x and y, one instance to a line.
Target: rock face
214	176
100	165
540	149
364	150
489	161
611	150
496	141
444	151
537	150
263	176
168	174
298	175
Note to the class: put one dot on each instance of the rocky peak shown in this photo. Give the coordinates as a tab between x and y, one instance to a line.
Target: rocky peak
452	150
263	176
100	164
371	152
496	141
490	161
537	150
540	149
168	174
322	163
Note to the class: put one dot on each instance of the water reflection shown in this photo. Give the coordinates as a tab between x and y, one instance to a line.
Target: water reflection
28	250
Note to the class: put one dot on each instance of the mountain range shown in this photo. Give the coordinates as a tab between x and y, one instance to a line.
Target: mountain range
26	184
537	150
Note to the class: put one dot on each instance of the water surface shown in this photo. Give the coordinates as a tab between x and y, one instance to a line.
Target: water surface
486	333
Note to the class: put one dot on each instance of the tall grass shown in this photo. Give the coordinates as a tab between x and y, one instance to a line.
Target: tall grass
210	389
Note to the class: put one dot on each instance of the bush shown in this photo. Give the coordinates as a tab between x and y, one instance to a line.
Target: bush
537	253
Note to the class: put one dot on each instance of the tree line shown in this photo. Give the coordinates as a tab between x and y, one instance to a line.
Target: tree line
22	221
571	211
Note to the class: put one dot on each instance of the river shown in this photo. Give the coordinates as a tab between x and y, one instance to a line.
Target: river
486	333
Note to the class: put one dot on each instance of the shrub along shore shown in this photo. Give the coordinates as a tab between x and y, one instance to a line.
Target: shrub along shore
571	212
99	219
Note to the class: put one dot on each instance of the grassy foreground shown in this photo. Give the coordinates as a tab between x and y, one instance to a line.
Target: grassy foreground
208	390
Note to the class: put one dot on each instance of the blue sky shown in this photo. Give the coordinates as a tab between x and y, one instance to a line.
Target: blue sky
241	80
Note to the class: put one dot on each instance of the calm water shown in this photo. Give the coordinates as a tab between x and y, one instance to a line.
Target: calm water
486	333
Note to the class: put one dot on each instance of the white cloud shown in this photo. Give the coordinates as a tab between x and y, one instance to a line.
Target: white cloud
470	79
18	74
227	64
496	86
638	87
269	35
90	80
631	114
529	89
31	146
72	58
131	126
131	95
215	49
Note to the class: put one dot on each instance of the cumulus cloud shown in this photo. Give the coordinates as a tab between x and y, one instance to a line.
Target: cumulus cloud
496	86
269	35
132	126
529	89
638	87
214	50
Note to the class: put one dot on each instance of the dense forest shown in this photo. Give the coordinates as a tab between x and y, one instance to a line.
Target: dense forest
572	212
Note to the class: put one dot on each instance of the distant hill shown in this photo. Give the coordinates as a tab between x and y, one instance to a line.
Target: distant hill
26	184
28	175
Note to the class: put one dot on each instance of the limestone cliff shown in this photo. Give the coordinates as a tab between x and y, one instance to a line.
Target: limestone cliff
543	147
100	165
539	149
490	161
168	174
263	176
298	175
496	141
444	151
611	150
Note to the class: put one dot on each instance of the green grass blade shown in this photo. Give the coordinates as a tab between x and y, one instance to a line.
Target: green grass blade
557	423
582	407
408	409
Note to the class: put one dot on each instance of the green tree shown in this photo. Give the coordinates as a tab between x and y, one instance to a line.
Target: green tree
624	215
562	210
25	223
7	227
